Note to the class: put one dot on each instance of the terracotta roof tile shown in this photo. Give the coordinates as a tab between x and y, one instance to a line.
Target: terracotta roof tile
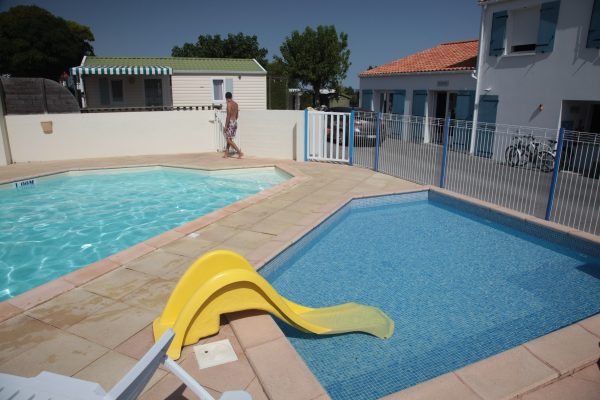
452	56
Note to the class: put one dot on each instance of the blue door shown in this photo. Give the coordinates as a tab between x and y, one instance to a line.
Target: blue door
418	110
367	100
484	142
397	99
461	132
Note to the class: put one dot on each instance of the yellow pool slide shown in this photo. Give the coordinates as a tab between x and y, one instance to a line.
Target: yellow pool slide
222	281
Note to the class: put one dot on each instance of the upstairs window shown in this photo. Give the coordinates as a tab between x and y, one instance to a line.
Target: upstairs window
524	30
524	23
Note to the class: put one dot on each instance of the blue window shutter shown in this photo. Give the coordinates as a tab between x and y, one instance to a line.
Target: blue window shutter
229	85
593	39
498	33
465	104
547	28
367	99
398	106
484	141
419	100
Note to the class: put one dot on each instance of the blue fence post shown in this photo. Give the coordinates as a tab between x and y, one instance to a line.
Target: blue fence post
445	152
306	134
351	139
377	135
559	146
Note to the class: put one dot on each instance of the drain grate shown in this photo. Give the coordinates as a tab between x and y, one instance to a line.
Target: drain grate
215	353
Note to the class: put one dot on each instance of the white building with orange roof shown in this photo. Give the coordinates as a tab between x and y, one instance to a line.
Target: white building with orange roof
436	82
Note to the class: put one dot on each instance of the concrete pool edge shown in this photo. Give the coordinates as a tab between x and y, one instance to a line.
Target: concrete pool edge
47	291
547	359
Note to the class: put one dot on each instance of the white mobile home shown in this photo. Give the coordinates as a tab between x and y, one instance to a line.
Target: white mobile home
165	82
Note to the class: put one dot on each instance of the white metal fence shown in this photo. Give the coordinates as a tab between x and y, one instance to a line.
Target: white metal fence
219	134
513	166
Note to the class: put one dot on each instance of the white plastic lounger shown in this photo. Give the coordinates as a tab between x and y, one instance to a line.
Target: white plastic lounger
48	385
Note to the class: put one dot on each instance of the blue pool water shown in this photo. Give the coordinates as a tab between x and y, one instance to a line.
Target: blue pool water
67	221
458	286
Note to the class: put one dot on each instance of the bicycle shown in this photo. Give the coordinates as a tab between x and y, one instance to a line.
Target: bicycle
526	149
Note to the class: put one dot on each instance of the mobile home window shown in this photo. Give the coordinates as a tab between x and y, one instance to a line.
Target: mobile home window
117	90
104	91
218	90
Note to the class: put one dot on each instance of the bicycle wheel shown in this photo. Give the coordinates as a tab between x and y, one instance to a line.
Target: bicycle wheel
512	155
546	161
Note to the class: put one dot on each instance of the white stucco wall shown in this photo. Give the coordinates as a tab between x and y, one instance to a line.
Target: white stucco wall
523	82
425	81
249	91
270	134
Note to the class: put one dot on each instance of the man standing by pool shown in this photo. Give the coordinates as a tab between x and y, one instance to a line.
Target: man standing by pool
231	125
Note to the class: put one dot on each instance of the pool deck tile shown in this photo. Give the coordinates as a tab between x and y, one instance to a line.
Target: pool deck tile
41	294
21	333
119	283
162	264
282	372
507	374
572	387
591	373
108	369
592	324
152	296
138	344
566	349
164	238
69	308
61	352
447	387
92	271
131	253
191	247
8	310
253	328
256	391
112	325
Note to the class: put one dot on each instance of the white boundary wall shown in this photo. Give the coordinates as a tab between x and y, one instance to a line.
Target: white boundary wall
270	134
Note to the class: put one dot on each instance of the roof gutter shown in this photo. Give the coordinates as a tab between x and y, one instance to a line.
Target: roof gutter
221	72
488	2
462	71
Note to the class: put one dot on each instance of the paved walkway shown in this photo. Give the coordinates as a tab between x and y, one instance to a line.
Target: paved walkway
96	322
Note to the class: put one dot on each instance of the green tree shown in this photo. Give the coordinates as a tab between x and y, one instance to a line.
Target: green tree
234	46
35	43
319	58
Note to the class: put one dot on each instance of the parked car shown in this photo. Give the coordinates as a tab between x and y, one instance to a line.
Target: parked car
365	133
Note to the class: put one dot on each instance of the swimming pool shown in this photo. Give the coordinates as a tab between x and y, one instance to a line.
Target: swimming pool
53	225
460	281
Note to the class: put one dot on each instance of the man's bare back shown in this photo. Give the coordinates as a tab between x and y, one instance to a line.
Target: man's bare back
232	111
231	125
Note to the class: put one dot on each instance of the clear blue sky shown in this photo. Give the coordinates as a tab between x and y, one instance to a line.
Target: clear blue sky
378	31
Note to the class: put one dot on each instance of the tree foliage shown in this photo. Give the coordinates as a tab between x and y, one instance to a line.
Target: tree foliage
319	58
35	43
234	46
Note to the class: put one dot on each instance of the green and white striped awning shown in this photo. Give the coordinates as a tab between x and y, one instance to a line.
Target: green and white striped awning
121	71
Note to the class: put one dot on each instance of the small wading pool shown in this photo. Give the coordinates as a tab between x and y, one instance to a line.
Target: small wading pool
53	225
461	283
